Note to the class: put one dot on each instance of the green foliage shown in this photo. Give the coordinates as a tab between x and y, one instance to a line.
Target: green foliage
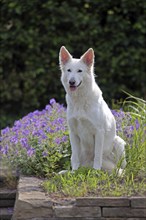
136	155
136	106
89	182
32	33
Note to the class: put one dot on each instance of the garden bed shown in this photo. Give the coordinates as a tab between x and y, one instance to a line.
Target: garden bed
32	203
38	145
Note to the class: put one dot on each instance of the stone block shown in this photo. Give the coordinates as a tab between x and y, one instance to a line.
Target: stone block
7	194
7	202
134	218
72	218
29	184
31	203
6	213
138	202
112	201
74	211
123	212
28	209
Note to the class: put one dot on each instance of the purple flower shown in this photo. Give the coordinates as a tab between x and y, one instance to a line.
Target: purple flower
5	131
49	130
52	101
60	120
137	125
129	131
61	109
5	149
45	154
30	152
39	133
14	139
44	136
36	112
57	129
14	129
64	138
48	107
24	142
17	124
57	141
25	132
43	124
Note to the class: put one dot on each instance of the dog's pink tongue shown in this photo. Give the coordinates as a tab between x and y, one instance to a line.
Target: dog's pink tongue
73	88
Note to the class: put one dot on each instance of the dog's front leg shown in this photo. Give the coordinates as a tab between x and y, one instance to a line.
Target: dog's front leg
75	146
99	141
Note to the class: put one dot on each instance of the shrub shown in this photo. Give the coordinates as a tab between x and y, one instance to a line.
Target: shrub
32	33
38	144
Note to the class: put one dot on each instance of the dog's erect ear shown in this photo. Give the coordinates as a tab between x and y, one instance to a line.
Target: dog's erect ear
64	55
88	57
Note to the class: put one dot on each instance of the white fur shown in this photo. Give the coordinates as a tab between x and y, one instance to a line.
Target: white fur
91	124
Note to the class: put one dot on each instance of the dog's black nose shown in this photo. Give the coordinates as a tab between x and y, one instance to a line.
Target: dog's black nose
72	82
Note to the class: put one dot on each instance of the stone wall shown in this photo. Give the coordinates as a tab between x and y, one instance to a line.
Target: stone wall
33	204
7	200
7	192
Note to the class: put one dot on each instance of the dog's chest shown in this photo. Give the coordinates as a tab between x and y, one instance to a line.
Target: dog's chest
82	126
81	122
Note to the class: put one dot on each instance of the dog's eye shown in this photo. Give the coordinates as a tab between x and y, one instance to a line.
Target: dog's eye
79	71
68	70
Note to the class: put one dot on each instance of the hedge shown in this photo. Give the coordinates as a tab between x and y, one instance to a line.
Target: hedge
32	32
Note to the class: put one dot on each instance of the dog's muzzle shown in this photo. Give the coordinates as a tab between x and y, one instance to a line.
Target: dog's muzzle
79	84
72	84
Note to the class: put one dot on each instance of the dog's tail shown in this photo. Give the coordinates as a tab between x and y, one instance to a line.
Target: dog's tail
119	148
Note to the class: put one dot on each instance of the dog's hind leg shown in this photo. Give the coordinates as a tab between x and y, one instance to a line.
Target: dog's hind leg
119	149
108	165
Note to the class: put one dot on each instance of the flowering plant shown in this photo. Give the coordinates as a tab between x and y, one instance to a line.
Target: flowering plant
38	144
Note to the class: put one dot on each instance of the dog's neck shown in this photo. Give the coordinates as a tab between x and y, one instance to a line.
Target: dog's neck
83	96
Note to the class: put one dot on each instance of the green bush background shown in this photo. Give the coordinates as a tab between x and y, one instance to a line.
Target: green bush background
32	32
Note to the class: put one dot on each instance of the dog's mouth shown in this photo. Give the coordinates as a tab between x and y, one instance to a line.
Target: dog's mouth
74	87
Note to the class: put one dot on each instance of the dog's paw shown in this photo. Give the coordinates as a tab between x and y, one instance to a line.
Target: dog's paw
75	166
121	172
96	167
62	172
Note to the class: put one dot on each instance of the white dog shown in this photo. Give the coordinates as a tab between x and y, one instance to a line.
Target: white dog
92	126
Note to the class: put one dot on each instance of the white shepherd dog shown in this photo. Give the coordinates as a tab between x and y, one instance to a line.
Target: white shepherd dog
92	126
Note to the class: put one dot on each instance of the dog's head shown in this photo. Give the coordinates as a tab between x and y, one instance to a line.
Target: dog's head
76	71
